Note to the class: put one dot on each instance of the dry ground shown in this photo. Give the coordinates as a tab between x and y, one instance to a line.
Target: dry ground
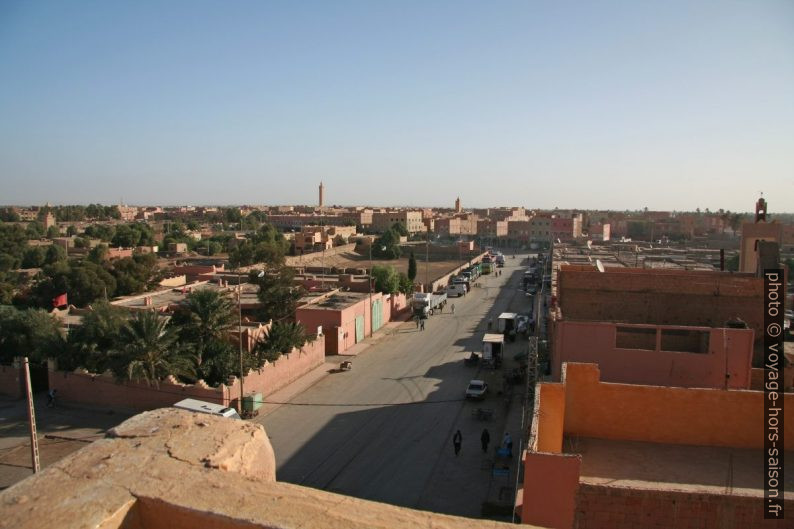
435	269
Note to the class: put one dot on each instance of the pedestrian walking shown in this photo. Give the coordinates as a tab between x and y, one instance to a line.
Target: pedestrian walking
441	309
421	325
417	321
457	441
51	398
507	443
453	308
485	438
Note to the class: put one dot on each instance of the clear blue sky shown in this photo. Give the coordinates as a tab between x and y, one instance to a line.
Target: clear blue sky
667	105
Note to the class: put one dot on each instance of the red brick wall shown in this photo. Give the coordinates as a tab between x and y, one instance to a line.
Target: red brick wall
600	507
11	383
661	297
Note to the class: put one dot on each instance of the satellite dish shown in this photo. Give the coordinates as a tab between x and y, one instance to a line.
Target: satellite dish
600	265
558	241
589	245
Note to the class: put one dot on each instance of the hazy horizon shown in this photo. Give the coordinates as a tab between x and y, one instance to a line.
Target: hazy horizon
610	105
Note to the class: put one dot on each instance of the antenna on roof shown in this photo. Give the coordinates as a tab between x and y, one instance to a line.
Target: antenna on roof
600	265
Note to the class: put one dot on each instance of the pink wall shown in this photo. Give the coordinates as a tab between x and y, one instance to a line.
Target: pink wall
311	318
594	342
550	485
11	382
104	391
399	304
276	375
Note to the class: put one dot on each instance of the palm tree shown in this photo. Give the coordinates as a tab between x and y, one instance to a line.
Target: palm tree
207	317
281	339
148	349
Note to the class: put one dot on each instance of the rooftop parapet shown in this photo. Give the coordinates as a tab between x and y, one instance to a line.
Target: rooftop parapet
170	468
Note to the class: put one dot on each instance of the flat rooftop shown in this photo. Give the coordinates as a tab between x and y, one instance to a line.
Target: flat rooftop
684	468
166	298
337	301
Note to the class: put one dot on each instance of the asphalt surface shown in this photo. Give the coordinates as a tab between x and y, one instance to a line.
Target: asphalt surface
383	431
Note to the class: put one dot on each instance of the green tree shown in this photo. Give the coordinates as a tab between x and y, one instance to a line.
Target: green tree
34	230
386	279
34	257
387	246
98	254
90	344
412	267
281	339
53	232
277	293
84	282
33	333
400	229
406	285
71	231
134	274
8	215
204	322
147	350
54	254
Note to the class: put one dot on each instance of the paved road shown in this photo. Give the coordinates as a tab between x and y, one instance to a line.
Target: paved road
383	431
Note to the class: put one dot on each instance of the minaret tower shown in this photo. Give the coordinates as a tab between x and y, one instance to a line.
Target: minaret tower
322	191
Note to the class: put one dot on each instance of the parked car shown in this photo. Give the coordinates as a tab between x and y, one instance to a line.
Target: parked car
476	390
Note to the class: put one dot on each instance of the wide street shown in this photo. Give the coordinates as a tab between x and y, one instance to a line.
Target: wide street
383	431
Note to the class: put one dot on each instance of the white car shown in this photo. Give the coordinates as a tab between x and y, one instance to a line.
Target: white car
476	389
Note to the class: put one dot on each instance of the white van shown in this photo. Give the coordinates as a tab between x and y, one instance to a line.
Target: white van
456	289
206	407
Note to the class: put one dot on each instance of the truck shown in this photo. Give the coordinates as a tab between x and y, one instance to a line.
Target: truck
456	289
426	303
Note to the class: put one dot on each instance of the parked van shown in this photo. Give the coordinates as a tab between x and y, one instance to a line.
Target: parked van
206	407
456	290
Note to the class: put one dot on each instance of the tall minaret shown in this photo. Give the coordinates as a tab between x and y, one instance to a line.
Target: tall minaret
322	190
457	205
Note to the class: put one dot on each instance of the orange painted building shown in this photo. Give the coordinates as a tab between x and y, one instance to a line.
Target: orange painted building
621	456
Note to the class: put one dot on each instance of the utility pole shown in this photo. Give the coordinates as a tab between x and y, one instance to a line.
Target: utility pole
34	439
371	311
427	258
240	341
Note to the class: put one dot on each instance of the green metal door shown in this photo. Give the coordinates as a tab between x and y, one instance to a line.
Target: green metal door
377	314
359	328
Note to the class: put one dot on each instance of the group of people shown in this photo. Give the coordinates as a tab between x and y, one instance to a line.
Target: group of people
485	439
420	322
